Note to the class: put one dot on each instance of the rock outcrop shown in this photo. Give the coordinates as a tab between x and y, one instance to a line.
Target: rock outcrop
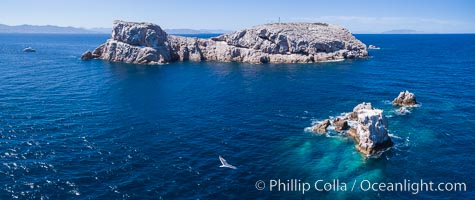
372	132
322	126
340	124
354	115
140	43
87	55
368	127
146	43
405	98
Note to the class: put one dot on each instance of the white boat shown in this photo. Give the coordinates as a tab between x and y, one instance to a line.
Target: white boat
373	47
29	49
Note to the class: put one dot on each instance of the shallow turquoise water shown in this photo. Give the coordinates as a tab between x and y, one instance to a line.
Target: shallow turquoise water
80	130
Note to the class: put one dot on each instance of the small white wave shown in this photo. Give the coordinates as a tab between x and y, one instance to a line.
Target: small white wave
332	136
308	129
336	60
75	192
378	154
30	185
412	106
315	122
416	105
394	136
402	111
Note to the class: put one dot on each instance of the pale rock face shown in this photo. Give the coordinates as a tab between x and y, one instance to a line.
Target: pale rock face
140	43
294	38
139	34
187	48
354	115
322	126
371	131
362	106
146	43
118	51
405	99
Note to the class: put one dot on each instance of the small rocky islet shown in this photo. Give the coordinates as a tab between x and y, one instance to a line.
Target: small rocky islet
147	43
405	98
368	127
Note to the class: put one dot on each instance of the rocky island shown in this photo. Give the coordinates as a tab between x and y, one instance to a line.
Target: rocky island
368	127
147	43
405	98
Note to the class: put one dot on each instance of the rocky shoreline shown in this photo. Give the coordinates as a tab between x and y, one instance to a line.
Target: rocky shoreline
147	43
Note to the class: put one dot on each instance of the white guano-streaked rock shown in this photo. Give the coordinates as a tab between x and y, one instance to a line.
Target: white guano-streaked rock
372	131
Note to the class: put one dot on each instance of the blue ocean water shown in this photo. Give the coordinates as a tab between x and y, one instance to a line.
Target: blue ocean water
201	35
72	129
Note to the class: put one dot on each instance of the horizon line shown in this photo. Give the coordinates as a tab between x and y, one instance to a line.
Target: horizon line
356	32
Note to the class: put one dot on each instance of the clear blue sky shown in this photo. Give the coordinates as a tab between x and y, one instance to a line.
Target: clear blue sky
360	16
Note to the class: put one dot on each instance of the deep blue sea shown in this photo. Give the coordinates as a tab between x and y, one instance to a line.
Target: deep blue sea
72	129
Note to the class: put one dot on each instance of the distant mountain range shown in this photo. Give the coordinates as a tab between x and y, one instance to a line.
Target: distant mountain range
50	29
101	30
44	29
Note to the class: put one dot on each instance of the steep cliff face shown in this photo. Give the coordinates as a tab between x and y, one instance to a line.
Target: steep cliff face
141	43
146	43
372	132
